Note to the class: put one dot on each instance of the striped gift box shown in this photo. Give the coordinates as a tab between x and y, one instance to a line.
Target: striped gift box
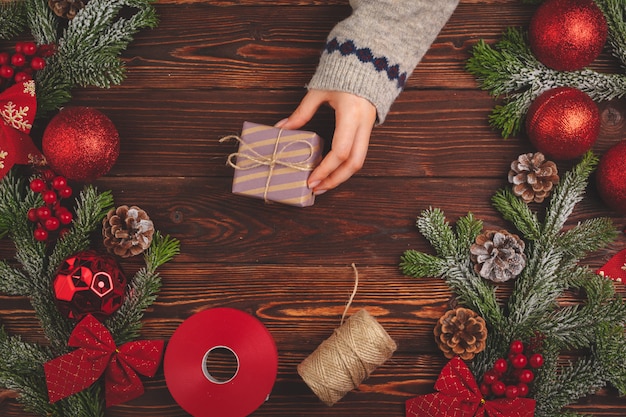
274	164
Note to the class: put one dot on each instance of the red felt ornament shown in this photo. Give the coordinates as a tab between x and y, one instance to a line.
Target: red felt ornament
611	177
18	106
88	283
458	395
567	35
615	268
563	123
81	143
97	355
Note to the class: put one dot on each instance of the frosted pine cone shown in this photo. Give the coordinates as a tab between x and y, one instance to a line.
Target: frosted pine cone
127	231
66	8
461	332
533	177
498	255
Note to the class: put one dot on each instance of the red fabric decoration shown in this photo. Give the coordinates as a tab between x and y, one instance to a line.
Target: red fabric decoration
459	396
97	355
615	268
18	107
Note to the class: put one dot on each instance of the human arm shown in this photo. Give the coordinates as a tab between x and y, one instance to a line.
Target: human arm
364	66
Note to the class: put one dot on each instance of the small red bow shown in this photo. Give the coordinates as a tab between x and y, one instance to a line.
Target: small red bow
18	107
97	354
459	396
615	268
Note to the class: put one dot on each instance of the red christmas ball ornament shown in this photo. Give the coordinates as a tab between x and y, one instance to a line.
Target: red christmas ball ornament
567	35
81	143
89	283
611	177
563	123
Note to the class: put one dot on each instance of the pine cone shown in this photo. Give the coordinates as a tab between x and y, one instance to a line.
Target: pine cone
127	231
66	8
498	255
461	332
533	177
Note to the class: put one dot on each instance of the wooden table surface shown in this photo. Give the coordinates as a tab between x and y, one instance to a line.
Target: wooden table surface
211	65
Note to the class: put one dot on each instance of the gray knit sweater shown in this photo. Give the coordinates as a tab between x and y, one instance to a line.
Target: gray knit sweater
374	51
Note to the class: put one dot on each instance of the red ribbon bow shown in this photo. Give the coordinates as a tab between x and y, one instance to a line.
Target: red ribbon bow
18	107
97	354
459	396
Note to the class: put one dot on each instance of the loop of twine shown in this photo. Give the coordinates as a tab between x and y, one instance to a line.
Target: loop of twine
270	161
344	360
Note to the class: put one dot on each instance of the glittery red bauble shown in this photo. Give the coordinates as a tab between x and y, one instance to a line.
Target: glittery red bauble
88	283
563	123
611	177
81	143
567	35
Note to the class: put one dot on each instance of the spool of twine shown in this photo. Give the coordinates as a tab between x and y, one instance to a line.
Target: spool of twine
348	357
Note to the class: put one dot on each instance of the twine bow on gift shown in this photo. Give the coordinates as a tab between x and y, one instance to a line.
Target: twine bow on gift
97	355
18	106
459	396
246	152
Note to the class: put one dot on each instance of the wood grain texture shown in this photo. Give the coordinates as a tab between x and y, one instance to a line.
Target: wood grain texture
209	66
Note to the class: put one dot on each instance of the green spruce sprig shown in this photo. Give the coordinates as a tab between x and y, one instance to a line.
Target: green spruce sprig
12	19
22	369
553	253
510	71
88	47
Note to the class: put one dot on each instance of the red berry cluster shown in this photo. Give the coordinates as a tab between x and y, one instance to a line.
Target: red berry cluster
51	217
511	381
20	65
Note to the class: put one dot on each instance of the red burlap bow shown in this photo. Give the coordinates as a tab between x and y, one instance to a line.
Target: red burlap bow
97	354
18	107
615	268
459	396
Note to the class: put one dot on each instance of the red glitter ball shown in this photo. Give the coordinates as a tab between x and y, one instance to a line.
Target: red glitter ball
563	123
611	177
567	35
81	143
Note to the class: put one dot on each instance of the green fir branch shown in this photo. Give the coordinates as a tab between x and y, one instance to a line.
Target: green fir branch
509	70
125	324
567	385
588	236
21	370
91	207
568	192
514	210
12	18
93	40
419	264
89	46
611	350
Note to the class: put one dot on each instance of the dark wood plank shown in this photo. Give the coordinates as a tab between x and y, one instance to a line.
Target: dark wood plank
209	66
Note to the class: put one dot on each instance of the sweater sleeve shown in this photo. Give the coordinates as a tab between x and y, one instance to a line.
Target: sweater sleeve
373	52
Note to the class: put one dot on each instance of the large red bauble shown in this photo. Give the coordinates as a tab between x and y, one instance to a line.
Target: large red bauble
81	143
89	283
563	123
611	177
567	35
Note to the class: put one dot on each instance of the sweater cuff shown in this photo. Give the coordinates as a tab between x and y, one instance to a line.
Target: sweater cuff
347	73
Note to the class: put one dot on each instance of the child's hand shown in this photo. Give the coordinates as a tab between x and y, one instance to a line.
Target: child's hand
354	118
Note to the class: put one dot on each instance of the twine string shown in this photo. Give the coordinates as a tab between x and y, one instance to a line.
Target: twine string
344	360
276	158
